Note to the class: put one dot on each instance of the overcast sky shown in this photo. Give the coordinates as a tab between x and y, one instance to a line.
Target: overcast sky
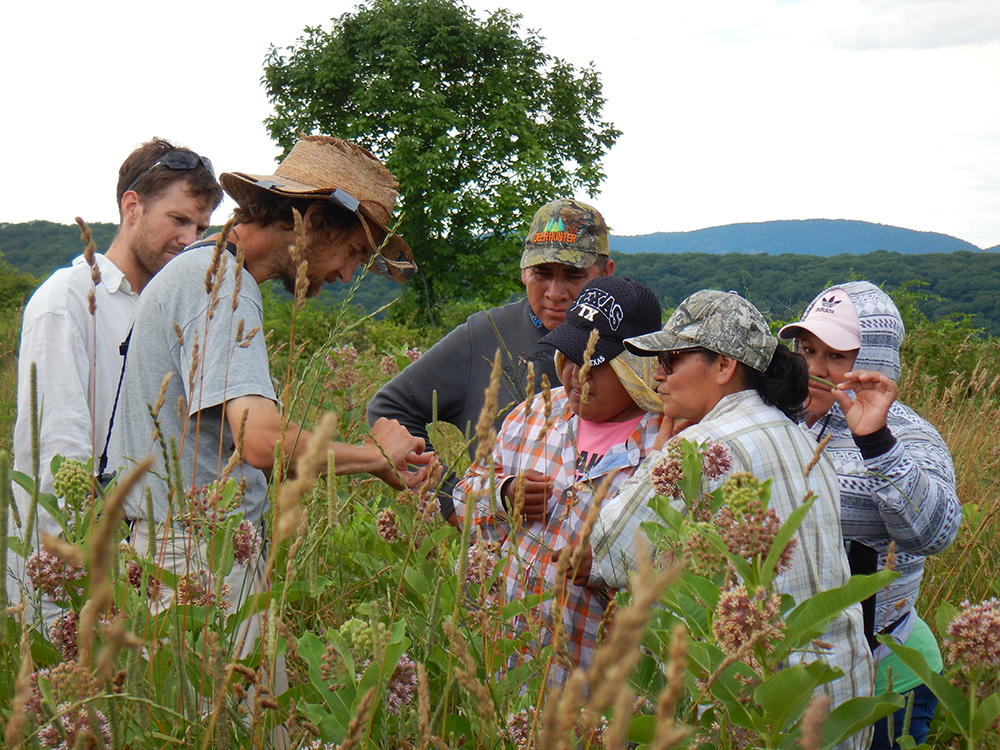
731	110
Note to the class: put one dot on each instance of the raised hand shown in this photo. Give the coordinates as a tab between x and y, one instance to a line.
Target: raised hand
874	394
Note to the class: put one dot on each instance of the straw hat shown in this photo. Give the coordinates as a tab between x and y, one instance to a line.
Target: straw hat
321	167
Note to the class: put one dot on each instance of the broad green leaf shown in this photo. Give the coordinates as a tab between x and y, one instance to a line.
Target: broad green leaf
943	617
986	713
784	695
850	717
811	618
642	729
955	702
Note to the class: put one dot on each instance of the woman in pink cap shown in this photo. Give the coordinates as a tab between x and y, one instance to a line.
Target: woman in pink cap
897	483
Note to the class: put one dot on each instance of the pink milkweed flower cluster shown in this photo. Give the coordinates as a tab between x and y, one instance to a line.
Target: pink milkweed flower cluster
973	637
402	684
716	462
198	590
247	544
387	526
751	533
76	729
52	576
340	362
741	621
480	567
517	727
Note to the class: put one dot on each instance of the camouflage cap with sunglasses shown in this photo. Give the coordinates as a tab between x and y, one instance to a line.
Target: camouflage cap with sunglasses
722	322
567	232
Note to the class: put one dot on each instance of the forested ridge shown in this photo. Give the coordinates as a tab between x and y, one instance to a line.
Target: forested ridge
966	282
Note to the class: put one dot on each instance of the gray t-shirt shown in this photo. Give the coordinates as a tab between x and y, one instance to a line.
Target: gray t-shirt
208	365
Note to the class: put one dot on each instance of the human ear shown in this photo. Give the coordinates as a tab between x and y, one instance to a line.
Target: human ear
130	206
726	370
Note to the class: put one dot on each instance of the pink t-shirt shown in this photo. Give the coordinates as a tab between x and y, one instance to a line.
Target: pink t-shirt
597	438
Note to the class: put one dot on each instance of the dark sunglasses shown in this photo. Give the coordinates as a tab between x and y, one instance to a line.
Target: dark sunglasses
177	159
668	360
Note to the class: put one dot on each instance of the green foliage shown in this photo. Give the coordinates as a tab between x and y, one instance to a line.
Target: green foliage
345	576
40	247
782	285
479	125
15	286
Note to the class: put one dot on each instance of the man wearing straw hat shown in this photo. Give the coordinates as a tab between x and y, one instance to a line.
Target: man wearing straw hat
566	247
197	350
166	195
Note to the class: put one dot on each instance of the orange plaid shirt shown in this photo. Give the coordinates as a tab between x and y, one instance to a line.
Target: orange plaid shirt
524	443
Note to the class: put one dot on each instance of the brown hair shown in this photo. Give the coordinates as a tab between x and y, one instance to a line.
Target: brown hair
200	183
266	208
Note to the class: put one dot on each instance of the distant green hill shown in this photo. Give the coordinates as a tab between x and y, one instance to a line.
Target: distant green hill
806	237
40	247
778	281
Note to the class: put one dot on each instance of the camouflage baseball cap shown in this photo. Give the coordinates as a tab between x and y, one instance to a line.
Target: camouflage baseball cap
721	322
568	232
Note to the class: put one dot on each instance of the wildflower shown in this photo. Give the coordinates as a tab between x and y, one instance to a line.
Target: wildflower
402	684
480	567
716	460
62	634
413	354
366	638
387	527
68	682
667	475
517	728
198	590
72	728
134	574
593	737
389	366
246	543
973	637
73	483
340	363
740	622
701	555
345	355
741	488
428	506
320	745
750	533
52	576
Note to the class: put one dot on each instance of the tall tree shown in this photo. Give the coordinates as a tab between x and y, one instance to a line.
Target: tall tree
479	125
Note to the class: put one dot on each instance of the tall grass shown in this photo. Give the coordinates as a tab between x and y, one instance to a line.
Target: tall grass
386	645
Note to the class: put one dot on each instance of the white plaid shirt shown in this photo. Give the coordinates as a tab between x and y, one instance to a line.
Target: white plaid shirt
763	441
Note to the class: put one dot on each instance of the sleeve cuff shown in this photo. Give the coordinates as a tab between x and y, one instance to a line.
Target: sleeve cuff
446	501
876	444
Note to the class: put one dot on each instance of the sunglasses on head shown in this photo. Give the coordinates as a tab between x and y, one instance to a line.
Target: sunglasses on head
668	360
176	159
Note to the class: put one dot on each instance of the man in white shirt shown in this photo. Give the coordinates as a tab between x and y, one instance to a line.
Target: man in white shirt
75	325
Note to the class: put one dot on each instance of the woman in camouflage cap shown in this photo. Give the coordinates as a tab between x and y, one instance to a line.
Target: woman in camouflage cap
724	376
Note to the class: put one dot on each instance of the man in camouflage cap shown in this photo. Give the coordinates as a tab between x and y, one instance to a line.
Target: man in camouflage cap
566	247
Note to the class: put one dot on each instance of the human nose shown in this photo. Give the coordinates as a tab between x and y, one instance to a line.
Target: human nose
660	374
817	366
190	234
559	289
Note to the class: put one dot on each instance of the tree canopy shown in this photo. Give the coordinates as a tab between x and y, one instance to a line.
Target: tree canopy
479	125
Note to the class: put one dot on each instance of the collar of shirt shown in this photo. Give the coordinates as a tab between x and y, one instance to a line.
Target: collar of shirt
111	276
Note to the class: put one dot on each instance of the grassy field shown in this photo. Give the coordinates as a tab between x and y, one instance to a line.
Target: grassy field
386	623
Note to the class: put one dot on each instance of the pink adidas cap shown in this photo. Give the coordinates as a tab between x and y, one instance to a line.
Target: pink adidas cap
833	318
